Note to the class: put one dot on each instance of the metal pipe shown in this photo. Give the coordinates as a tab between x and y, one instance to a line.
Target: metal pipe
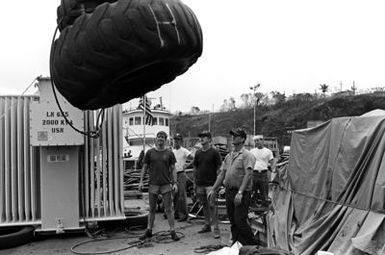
92	166
27	165
110	168
2	168
104	166
7	164
20	162
86	183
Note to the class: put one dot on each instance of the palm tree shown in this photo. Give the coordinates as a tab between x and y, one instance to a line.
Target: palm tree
324	88
353	88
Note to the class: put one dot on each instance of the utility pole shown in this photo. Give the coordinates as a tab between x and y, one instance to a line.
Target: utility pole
209	121
210	118
254	88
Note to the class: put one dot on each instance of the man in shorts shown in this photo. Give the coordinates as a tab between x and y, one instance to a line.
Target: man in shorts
160	162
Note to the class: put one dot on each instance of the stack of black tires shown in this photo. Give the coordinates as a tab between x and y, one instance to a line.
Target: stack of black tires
111	51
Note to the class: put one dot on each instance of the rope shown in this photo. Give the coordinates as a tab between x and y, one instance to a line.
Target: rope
91	134
158	237
130	245
331	201
328	200
164	237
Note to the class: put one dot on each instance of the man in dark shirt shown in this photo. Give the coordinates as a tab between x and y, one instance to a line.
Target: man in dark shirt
237	173
207	162
160	162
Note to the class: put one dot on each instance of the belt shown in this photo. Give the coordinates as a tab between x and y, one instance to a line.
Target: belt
260	171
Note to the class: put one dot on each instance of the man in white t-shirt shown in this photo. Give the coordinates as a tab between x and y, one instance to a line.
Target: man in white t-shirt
180	198
263	159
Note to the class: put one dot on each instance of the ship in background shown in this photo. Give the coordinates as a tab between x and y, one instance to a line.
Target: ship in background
140	126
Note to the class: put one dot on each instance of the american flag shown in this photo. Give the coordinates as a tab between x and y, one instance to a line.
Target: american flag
145	105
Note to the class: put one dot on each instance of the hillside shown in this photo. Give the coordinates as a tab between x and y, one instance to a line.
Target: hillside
277	120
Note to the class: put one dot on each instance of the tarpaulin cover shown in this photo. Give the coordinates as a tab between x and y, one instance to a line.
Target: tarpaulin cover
332	192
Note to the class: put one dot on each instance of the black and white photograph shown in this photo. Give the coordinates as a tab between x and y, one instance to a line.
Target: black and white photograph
156	127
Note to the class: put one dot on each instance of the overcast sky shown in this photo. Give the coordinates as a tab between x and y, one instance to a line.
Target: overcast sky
287	46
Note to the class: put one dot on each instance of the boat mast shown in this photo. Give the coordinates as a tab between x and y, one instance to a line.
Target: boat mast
144	122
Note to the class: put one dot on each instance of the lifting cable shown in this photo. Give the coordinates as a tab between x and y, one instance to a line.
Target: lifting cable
158	237
92	133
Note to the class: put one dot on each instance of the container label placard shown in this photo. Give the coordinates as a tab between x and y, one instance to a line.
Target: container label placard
49	128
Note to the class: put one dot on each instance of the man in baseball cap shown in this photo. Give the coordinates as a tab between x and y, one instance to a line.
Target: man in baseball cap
238	132
178	136
237	173
207	163
205	133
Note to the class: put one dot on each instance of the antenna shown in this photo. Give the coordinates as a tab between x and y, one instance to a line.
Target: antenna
161	103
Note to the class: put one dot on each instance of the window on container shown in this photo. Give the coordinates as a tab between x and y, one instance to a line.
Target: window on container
131	121
155	121
138	120
161	121
166	122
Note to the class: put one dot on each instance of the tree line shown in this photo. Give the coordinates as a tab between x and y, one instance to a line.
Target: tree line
277	98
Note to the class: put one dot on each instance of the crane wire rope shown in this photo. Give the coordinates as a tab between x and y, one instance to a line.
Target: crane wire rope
92	133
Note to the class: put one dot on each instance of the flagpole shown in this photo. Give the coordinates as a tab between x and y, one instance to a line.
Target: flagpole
144	123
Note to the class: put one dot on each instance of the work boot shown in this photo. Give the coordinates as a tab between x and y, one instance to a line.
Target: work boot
217	233
147	234
174	236
205	229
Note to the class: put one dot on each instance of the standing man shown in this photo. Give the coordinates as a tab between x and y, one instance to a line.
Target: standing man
160	162
207	163
263	159
237	174
180	199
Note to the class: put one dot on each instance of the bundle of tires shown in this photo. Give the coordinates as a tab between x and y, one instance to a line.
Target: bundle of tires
109	52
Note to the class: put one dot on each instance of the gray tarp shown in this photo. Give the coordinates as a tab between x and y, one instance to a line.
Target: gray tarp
332	192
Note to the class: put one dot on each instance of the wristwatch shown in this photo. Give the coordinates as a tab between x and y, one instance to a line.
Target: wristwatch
240	192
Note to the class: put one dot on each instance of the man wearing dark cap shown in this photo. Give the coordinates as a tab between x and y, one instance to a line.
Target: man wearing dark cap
207	162
180	198
237	173
160	162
